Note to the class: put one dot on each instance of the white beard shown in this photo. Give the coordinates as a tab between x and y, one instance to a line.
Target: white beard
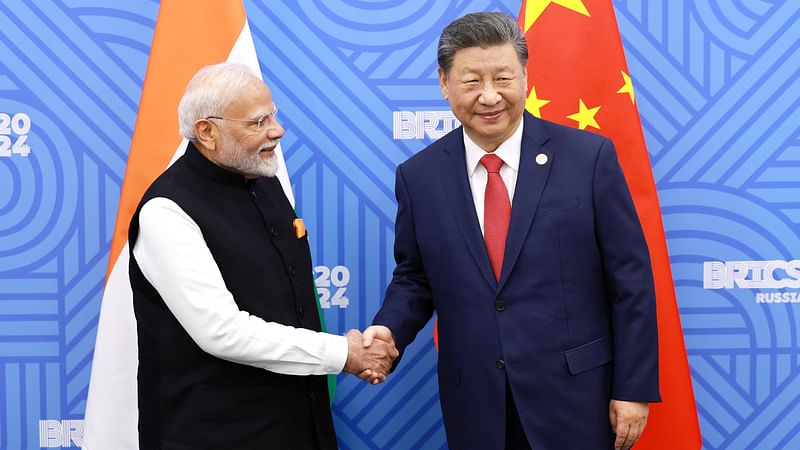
238	158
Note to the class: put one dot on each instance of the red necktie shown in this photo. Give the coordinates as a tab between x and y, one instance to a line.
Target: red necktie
496	213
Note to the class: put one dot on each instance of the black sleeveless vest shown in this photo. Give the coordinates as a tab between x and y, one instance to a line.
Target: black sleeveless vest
190	399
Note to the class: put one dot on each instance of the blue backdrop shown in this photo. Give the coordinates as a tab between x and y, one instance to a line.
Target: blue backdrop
718	88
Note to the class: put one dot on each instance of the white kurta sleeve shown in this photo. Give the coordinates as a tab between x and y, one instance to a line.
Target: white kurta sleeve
173	256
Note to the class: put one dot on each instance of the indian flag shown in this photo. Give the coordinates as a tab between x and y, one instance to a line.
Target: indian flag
188	36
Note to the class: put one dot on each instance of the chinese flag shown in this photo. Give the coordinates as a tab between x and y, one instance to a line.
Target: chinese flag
577	76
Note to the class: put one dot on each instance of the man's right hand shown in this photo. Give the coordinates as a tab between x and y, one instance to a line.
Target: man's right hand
379	332
369	360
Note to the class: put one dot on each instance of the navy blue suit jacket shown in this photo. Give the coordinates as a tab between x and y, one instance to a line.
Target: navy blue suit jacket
571	322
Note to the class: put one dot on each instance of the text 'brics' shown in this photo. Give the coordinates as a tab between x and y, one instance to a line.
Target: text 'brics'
422	124
773	274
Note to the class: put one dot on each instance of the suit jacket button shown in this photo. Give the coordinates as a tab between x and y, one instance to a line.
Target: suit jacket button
500	364
291	269
301	311
500	305
273	230
312	395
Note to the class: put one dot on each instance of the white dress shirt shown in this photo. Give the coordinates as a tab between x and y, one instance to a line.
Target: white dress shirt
175	259
509	152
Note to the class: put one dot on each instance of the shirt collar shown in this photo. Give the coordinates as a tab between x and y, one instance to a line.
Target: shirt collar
508	151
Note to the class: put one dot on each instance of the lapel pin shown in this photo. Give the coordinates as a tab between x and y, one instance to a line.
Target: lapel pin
541	159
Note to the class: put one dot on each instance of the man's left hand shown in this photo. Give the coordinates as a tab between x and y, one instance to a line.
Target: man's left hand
627	420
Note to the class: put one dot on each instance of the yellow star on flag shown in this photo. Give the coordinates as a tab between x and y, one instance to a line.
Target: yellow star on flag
585	116
534	104
626	88
535	8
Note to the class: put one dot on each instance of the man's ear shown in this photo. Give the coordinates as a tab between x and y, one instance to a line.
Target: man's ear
525	77
205	133
443	82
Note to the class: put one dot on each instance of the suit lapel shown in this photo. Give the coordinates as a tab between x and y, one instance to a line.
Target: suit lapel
459	195
531	181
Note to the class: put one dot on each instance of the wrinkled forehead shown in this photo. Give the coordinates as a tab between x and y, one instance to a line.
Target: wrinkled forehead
495	57
250	99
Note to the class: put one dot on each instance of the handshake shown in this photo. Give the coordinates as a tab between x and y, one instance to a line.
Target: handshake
370	356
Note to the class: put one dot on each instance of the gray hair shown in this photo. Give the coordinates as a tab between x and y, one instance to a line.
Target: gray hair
483	29
210	91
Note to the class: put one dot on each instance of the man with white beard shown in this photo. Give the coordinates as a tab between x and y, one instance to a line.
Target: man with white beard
230	349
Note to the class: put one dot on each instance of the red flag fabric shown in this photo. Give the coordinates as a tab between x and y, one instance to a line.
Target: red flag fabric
577	76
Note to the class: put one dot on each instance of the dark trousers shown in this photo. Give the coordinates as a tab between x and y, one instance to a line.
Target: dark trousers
515	435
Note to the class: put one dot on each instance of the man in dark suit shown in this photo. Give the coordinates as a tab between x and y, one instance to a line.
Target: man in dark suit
521	235
230	350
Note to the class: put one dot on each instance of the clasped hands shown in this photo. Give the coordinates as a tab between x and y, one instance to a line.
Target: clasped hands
370	355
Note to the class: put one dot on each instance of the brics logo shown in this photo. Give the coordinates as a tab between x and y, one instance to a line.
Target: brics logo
774	274
751	274
422	124
60	433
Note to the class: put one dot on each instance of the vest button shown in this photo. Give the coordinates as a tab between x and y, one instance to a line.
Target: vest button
312	395
253	194
500	364
500	305
291	269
